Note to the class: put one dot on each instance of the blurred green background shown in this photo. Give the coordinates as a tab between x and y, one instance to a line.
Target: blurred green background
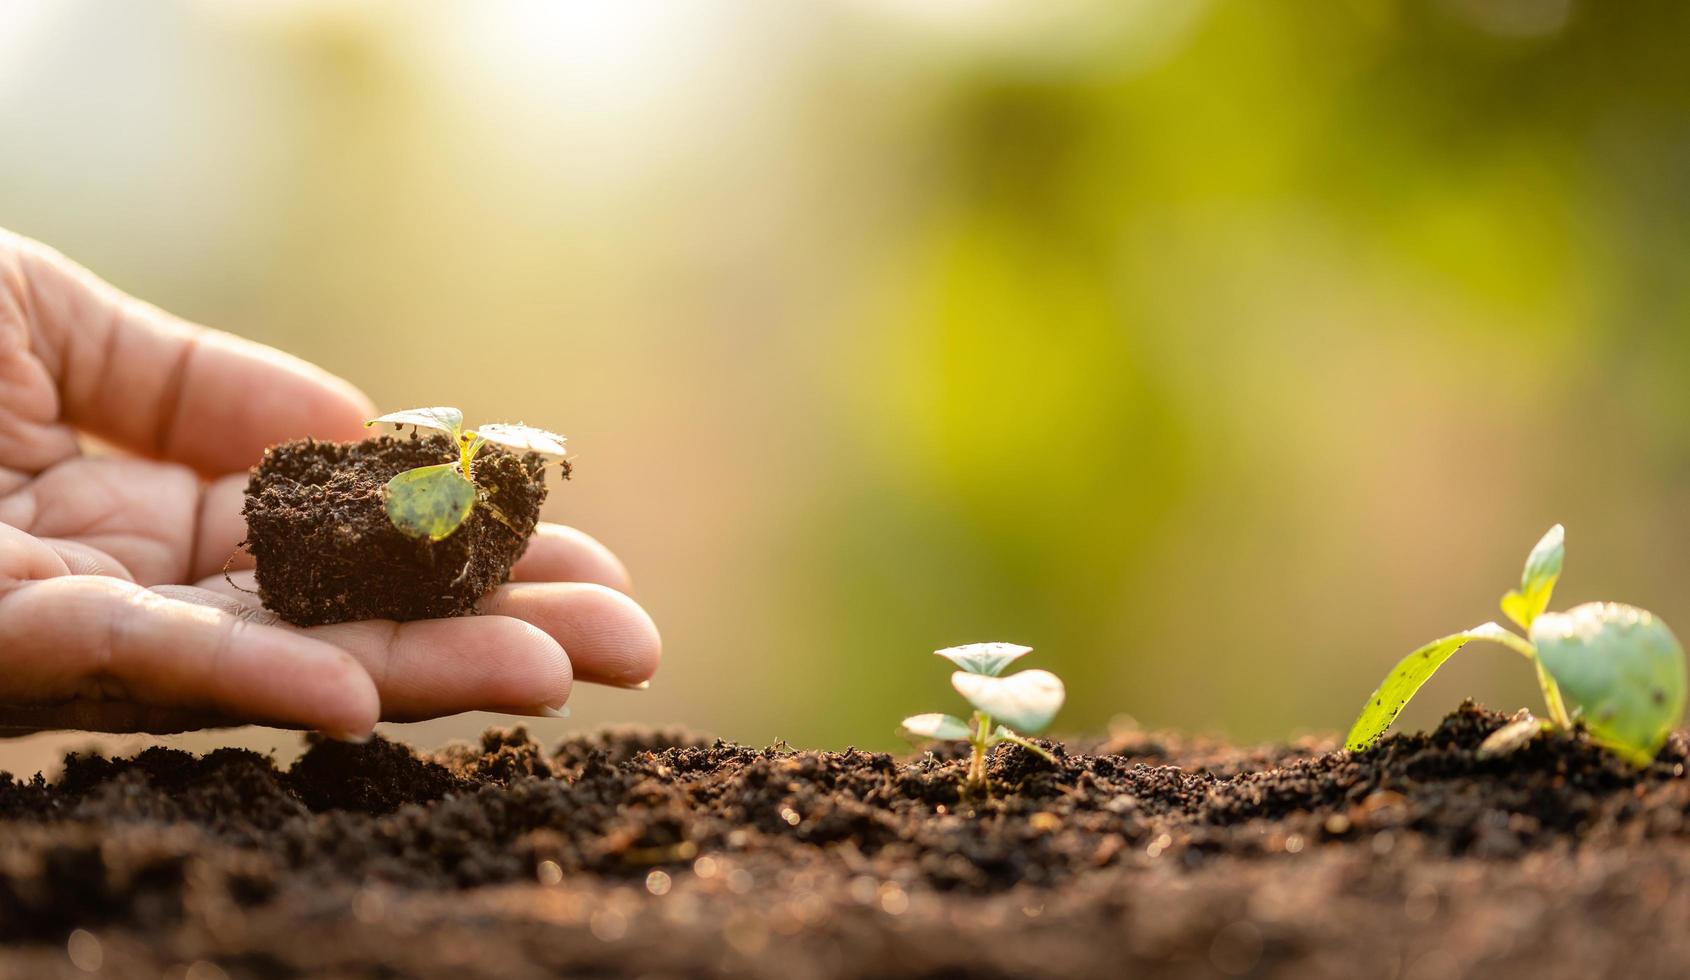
1223	351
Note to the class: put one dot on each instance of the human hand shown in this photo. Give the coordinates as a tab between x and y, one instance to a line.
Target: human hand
114	611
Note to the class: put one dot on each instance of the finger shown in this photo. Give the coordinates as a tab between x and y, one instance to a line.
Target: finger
78	637
435	667
430	667
225	598
563	554
157	385
25	558
609	638
221	528
85	559
555	553
139	512
106	716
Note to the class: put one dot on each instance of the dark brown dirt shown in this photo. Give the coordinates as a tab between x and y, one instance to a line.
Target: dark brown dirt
326	552
656	854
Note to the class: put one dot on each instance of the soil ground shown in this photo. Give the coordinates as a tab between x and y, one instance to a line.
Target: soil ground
657	854
327	553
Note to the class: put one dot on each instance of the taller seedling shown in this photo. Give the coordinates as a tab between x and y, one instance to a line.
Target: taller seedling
1616	669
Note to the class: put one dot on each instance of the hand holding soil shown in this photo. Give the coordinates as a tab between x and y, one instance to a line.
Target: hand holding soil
115	613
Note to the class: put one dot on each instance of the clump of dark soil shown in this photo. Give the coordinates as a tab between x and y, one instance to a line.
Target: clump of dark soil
658	854
327	553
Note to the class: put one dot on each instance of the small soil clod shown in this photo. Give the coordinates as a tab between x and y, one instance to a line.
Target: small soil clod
326	551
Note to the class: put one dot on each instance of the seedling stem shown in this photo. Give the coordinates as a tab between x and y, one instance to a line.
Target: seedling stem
979	744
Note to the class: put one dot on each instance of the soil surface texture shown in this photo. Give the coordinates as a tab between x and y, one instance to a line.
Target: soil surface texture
327	553
658	854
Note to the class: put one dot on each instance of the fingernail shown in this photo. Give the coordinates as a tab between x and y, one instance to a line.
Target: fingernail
547	711
350	737
641	686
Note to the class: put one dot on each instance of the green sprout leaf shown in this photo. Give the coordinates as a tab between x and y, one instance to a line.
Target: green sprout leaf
447	420
984	658
523	438
1537	582
430	501
1620	670
1026	702
936	727
1411	673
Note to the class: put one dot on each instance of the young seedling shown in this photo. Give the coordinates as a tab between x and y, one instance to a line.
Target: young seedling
433	501
1616	669
1024	702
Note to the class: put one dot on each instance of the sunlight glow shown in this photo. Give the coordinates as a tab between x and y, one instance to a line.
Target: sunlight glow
21	22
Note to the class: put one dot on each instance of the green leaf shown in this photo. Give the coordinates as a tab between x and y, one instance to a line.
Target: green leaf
936	727
523	438
1620	670
984	658
1414	670
447	420
1537	582
1025	702
430	501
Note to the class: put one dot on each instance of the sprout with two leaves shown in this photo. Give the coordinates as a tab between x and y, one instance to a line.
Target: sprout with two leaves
1005	708
433	501
1616	669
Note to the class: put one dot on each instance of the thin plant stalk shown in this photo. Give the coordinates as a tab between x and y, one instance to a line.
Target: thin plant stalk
977	757
1551	690
1552	696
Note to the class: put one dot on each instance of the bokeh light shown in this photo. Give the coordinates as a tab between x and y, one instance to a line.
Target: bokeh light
1222	351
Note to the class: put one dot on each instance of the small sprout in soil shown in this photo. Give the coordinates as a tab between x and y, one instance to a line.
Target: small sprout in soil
1615	669
1512	737
433	501
1021	703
